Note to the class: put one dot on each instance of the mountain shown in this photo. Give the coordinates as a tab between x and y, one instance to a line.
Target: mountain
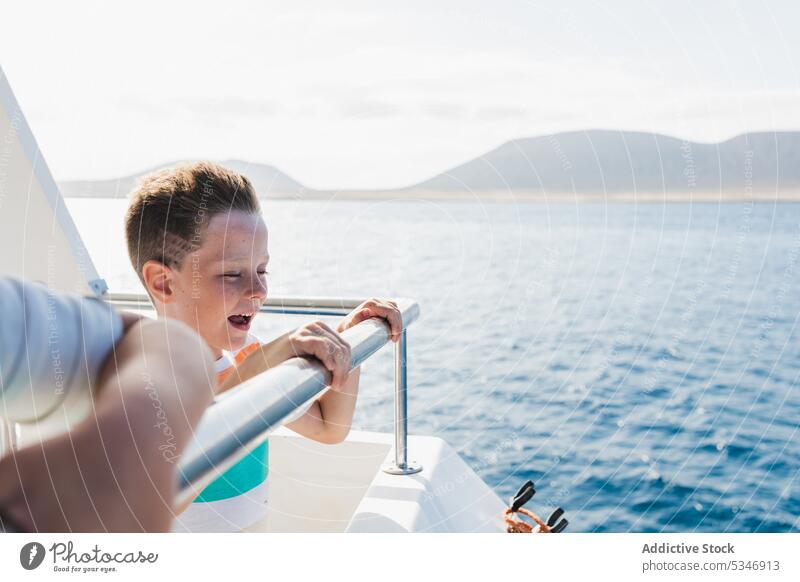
581	162
266	179
598	161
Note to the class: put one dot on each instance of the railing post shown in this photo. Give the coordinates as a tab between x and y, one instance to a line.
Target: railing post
401	465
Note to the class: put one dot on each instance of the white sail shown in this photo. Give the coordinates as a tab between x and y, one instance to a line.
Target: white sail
38	238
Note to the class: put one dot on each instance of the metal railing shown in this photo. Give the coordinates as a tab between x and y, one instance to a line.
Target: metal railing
242	417
323	306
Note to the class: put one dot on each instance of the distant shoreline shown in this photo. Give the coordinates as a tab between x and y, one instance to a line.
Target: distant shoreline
519	196
603	166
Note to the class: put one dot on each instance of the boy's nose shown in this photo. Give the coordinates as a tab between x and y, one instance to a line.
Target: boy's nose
259	289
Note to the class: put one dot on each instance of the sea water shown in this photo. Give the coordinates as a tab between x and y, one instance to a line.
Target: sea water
639	362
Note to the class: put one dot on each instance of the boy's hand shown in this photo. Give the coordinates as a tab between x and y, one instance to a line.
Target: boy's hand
318	340
313	339
388	310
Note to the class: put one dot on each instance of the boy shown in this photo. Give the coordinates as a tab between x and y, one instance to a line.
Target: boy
199	245
111	471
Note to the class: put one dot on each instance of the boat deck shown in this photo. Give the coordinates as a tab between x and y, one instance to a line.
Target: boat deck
342	488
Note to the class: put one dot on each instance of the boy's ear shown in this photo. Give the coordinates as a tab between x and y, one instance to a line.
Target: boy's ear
158	279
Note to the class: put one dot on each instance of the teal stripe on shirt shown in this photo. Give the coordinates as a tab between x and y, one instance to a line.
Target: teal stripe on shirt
249	472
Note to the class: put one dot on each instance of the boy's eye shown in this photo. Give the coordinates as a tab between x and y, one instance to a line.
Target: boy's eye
235	275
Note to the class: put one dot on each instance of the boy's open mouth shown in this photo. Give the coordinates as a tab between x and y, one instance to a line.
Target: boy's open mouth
241	320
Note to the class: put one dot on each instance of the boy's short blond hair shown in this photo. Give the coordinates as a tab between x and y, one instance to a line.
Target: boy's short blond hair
170	209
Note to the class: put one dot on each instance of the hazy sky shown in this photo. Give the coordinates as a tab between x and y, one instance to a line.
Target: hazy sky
370	94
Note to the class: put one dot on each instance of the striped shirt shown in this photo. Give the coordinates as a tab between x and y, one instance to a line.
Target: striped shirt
238	498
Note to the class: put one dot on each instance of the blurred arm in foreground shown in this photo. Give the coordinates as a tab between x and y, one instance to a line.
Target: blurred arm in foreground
115	470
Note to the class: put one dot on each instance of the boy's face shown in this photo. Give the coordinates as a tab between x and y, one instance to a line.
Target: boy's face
219	288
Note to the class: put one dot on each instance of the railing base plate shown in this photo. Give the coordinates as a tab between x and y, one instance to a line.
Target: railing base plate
408	469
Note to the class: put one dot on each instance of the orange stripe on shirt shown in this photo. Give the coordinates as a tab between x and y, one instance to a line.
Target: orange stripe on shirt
238	359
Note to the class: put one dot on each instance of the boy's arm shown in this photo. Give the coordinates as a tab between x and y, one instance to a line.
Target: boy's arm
115	471
329	418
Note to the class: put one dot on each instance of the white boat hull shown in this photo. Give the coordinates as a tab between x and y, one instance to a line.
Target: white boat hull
342	488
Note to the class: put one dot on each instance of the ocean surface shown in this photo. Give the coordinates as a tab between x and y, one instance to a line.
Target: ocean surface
639	362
